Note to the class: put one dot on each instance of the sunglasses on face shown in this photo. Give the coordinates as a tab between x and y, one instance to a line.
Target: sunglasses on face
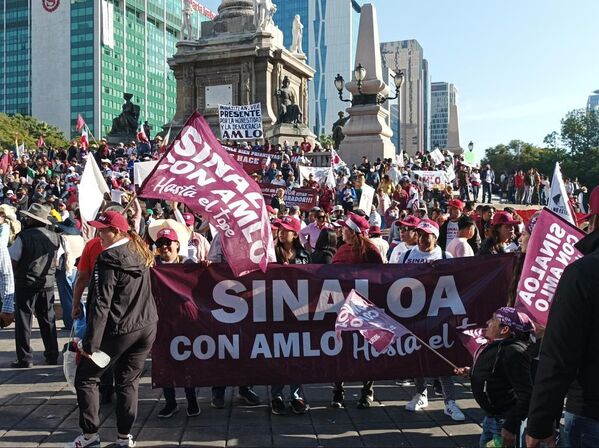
163	243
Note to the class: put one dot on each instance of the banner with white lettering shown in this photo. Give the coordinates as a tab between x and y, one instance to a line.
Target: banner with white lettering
278	327
304	198
550	249
240	122
197	171
253	161
431	179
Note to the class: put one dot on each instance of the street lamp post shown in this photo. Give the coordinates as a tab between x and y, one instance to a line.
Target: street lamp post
470	146
362	98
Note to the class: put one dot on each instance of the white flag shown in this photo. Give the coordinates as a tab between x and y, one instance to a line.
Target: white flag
558	200
91	193
399	159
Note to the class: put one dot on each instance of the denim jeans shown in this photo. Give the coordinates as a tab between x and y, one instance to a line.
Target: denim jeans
475	191
446	385
491	428
580	431
487	190
65	284
295	391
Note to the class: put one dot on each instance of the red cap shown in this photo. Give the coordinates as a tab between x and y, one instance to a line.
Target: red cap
189	219
457	203
289	223
111	219
357	223
168	234
410	221
593	203
270	210
428	226
501	218
374	230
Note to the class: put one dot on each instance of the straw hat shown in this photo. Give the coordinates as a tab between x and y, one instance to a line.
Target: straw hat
157	225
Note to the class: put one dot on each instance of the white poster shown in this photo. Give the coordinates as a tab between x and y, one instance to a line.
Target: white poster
141	170
240	122
558	199
431	179
366	199
320	173
437	156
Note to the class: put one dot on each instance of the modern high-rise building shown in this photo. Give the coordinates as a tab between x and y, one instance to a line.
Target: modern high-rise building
329	41
64	58
445	128
408	55
593	101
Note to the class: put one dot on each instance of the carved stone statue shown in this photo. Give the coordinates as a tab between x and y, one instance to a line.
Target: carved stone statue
337	129
298	32
289	111
128	121
263	12
187	11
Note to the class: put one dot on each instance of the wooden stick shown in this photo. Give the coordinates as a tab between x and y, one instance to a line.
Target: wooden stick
436	352
133	198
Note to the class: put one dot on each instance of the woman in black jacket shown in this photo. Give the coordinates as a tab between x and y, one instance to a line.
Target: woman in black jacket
121	322
326	247
501	376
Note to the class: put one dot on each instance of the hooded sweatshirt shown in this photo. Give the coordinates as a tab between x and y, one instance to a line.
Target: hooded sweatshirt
121	299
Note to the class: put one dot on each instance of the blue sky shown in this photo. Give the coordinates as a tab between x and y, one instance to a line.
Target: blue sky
519	65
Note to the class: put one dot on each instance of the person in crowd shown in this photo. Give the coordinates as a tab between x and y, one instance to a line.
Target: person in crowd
408	237
502	239
278	201
476	182
33	254
487	176
326	247
357	249
501	376
568	364
347	197
278	180
289	250
485	220
428	251
374	235
459	246
122	323
7	281
449	229
168	245
310	234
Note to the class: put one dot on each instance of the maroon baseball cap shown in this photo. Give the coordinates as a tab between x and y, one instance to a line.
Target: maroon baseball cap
410	221
428	226
593	203
289	223
355	222
457	203
501	218
374	230
111	219
168	234
189	219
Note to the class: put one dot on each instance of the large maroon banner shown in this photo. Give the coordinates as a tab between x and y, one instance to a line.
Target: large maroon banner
304	198
278	327
252	161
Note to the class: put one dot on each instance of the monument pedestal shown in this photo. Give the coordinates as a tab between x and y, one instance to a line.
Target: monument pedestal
278	133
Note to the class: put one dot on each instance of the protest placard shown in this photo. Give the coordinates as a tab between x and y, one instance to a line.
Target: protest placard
240	122
304	198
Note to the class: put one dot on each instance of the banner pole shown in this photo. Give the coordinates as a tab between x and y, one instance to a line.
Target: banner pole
133	198
436	352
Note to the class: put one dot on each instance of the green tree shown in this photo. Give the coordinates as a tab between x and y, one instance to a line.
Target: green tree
28	130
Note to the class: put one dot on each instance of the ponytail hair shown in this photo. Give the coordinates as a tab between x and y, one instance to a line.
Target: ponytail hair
141	248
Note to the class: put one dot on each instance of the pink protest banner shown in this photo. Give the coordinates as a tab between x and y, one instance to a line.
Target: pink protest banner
550	250
473	339
359	314
252	161
197	171
278	327
304	198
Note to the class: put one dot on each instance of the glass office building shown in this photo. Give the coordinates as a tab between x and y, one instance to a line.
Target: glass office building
329	41
113	47
444	132
593	101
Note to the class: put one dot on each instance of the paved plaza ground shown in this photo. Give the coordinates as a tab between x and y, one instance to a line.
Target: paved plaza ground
36	409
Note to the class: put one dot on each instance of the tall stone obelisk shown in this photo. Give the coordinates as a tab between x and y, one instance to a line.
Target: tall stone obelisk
366	132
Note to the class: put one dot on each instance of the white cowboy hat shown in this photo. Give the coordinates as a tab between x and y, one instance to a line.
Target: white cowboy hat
183	233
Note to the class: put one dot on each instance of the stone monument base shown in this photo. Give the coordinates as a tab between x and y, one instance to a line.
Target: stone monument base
371	146
290	132
115	139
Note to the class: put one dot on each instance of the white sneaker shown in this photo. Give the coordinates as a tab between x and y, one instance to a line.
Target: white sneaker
418	401
454	411
128	442
82	442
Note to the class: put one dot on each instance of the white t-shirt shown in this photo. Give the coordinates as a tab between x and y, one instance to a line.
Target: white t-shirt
452	231
398	251
417	256
459	247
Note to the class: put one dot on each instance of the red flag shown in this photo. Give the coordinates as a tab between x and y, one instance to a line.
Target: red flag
335	159
84	140
80	122
197	171
40	142
141	134
377	327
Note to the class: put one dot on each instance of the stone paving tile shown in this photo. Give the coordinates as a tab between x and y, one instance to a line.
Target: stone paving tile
159	437
339	436
23	437
46	417
465	434
428	437
382	436
214	437
248	436
13	414
294	436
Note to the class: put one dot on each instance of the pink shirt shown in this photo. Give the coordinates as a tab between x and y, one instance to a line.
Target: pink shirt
311	232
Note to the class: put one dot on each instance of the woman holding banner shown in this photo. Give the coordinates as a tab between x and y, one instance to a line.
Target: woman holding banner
357	250
289	250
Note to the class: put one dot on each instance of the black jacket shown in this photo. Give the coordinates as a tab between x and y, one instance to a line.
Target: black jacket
121	299
502	381
570	348
322	256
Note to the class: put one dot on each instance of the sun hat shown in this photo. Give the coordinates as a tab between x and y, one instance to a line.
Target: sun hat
38	212
429	226
111	219
183	233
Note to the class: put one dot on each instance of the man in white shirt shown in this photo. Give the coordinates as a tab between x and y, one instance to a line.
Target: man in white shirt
278	180
427	251
408	236
459	247
374	235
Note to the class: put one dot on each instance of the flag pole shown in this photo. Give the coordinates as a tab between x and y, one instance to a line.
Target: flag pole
90	133
133	198
436	352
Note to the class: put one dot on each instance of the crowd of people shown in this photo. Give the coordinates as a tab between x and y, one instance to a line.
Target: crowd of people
410	221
